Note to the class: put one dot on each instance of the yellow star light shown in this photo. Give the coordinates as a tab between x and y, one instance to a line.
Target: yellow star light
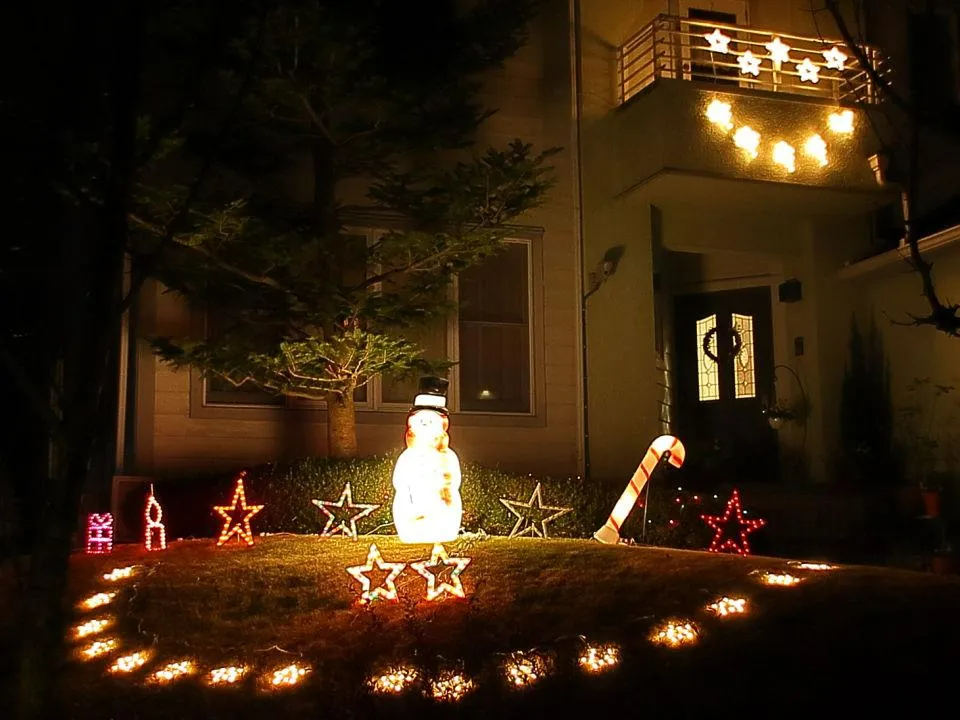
534	514
841	122
749	64
427	568
748	140
835	59
718	41
719	113
236	516
816	147
346	523
808	71
785	156
779	50
388	590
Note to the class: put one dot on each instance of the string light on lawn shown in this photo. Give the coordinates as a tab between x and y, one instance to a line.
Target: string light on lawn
783	579
728	606
289	675
119	573
98	600
174	671
816	147
92	627
814	566
129	663
841	122
675	633
720	114
598	658
450	686
228	675
98	648
394	680
523	669
236	516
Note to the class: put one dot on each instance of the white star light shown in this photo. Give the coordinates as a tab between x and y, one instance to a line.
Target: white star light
719	113
816	147
785	156
747	139
749	64
808	71
779	50
835	59
718	41
841	122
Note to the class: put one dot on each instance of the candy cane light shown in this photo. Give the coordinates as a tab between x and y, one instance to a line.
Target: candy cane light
666	447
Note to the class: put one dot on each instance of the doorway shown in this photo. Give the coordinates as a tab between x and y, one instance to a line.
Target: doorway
724	378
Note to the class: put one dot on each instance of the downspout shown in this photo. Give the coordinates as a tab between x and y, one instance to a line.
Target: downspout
577	74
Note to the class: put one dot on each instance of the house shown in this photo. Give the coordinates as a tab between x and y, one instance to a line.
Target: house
697	263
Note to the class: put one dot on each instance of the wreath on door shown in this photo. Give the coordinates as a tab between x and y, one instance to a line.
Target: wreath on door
711	334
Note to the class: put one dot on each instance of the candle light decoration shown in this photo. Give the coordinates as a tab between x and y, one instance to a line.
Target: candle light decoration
98	648
732	516
434	569
450	686
119	573
728	606
98	600
129	663
288	676
532	513
393	680
781	579
174	671
523	669
228	675
675	633
154	533
388	589
91	627
99	533
598	658
236	516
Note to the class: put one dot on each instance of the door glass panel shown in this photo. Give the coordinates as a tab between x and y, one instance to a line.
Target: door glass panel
708	374
744	377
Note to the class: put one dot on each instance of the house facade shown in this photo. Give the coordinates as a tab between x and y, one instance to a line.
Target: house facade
690	269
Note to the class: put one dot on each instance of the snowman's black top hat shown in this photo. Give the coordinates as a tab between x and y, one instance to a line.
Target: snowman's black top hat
432	395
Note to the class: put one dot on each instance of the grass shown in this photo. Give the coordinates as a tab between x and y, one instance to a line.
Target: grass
289	599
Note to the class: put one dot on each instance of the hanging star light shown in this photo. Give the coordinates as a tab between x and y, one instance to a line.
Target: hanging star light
343	514
733	515
748	140
785	156
749	64
236	515
835	59
155	533
779	50
533	514
808	71
436	567
388	588
718	41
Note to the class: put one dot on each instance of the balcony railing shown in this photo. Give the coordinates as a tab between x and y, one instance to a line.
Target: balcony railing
684	49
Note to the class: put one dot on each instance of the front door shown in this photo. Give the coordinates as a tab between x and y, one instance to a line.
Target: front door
724	353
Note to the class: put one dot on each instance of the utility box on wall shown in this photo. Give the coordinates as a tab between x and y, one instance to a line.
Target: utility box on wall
790	291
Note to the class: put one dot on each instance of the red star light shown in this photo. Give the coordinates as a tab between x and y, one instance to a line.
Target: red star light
734	540
236	516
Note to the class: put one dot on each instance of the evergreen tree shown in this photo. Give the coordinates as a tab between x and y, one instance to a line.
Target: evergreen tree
379	93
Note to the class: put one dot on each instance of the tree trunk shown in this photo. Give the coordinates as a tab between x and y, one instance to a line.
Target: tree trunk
341	425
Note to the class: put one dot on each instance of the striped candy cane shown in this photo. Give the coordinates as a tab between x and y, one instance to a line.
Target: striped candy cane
664	446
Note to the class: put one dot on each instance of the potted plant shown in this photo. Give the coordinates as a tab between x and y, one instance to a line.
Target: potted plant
923	429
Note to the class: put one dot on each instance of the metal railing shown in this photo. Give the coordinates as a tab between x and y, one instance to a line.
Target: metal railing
707	52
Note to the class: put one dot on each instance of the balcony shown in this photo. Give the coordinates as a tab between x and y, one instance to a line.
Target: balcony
705	52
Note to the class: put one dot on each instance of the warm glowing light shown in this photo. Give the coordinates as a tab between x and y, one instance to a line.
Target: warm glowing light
532	514
155	533
718	41
785	155
675	634
174	671
98	648
728	606
289	675
92	627
735	541
98	600
749	64
388	590
814	566
450	686
748	140
119	573
720	114
236	516
337	519
816	147
435	568
427	507
99	533
394	680
228	675
129	663
841	122
523	669
784	579
779	50
667	447
808	71
598	658
835	59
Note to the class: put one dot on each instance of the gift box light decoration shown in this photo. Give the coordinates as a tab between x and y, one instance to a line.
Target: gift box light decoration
781	579
98	600
228	675
343	514
720	114
427	507
731	529
523	669
598	658
129	663
174	671
98	648
532	514
675	633
388	589
119	573
393	680
236	516
436	569
91	627
287	676
154	533
99	533
728	606
841	122
450	686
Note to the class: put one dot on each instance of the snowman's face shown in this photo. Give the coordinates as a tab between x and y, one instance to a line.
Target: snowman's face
426	425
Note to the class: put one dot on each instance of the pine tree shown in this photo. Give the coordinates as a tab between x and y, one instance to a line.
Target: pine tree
380	93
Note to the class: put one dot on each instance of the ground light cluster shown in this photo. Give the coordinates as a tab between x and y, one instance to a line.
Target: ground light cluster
517	669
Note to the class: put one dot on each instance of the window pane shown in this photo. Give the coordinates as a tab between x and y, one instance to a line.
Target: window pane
219	391
743	371
433	340
496	291
708	380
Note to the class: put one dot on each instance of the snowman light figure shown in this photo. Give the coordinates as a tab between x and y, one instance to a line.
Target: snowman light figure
426	505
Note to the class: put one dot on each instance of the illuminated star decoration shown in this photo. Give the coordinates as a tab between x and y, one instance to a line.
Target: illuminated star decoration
732	515
835	59
718	41
345	522
388	589
808	71
749	64
747	139
534	514
434	568
236	516
779	50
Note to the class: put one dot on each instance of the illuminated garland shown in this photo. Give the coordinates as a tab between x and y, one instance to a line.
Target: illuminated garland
234	524
732	515
534	514
345	525
99	533
388	590
153	515
439	558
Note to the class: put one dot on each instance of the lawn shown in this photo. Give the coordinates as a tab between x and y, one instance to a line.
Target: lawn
871	635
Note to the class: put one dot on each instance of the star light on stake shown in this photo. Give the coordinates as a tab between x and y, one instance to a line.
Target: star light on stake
749	64
718	41
835	59
533	515
388	589
236	516
434	568
779	50
808	71
343	514
733	515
